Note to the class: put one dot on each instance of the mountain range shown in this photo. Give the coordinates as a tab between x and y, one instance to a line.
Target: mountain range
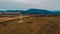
34	11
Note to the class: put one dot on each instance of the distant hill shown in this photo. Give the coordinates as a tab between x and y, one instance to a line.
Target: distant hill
39	11
56	12
34	11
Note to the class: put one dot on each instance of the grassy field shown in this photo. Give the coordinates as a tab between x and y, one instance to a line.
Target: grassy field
32	25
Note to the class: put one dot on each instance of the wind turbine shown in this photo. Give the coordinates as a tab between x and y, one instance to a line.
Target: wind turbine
21	20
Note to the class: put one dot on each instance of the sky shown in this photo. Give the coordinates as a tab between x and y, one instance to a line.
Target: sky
27	4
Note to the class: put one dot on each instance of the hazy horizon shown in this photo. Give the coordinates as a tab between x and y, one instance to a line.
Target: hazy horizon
27	4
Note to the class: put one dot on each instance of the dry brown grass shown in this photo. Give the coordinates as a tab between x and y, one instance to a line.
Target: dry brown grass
32	25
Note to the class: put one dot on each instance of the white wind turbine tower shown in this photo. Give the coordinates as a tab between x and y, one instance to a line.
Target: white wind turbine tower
21	18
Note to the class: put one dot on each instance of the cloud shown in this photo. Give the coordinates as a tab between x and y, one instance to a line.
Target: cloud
11	5
31	1
24	4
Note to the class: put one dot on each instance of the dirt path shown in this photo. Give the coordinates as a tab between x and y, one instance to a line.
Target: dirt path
11	18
